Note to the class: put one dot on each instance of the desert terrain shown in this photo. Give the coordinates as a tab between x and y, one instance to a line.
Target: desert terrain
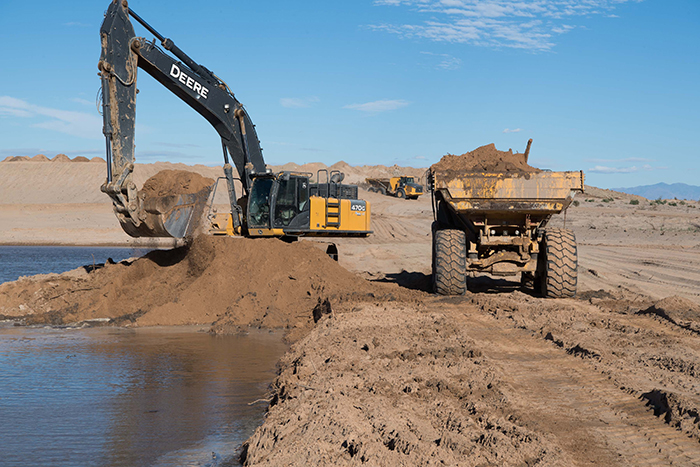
381	371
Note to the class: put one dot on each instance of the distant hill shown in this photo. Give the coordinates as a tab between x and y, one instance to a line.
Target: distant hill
664	191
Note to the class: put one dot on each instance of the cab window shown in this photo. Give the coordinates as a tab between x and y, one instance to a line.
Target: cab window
259	204
292	198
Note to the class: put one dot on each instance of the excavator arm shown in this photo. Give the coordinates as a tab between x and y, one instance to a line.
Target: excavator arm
122	55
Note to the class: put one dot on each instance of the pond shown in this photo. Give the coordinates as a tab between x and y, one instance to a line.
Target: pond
131	397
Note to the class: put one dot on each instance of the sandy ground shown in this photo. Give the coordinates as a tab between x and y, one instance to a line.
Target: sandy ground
385	373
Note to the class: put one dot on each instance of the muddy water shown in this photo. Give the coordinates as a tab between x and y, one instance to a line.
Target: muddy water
16	261
125	397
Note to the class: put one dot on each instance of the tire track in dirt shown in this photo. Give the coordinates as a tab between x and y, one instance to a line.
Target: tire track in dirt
569	399
659	273
652	357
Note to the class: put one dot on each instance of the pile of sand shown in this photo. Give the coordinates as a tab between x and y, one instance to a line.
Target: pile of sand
227	282
169	182
485	159
61	158
56	158
16	159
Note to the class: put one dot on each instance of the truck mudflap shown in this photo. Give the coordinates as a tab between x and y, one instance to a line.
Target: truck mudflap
175	216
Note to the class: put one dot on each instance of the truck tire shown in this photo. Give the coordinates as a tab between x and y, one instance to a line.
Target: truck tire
449	262
400	193
382	190
558	273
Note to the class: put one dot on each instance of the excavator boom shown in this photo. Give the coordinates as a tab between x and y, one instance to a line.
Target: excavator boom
123	53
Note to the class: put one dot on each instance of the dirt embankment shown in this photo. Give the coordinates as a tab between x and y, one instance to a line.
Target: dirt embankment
226	282
485	159
389	386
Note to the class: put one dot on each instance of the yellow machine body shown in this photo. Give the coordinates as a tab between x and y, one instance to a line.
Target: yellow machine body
289	204
408	185
401	187
332	216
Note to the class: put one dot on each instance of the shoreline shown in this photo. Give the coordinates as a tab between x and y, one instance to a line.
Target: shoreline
86	245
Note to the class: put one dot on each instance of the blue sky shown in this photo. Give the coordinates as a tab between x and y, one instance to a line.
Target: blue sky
606	86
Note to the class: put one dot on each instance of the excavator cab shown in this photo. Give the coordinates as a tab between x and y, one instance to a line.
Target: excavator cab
275	203
291	204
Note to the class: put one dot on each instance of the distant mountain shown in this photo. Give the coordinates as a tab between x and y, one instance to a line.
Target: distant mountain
664	191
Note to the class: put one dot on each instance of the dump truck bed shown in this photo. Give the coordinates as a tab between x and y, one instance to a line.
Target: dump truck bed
378	182
542	193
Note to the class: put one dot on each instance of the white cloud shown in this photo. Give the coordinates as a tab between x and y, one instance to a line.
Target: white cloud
626	159
515	130
623	170
298	103
81	124
447	61
379	106
599	169
14	112
496	23
82	101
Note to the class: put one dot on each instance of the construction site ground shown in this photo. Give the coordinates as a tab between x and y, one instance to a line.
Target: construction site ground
383	372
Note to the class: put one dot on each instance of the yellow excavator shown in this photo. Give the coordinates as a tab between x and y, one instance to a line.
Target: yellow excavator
284	204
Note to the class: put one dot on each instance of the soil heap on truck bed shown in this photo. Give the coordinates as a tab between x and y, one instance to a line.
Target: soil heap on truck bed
485	159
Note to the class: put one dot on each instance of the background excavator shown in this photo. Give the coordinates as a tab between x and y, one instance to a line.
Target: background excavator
285	204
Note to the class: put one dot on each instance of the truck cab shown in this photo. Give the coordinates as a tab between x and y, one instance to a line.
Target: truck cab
406	187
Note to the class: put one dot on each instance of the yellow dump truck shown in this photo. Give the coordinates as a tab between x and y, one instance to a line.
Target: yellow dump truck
496	223
401	187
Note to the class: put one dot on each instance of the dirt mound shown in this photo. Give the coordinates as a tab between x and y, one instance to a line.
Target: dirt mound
168	182
16	158
81	159
61	158
227	282
97	159
485	159
40	158
392	387
678	310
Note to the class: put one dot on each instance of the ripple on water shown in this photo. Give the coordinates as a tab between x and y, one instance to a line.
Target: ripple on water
111	396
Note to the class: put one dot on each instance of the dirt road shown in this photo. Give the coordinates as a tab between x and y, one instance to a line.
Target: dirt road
466	381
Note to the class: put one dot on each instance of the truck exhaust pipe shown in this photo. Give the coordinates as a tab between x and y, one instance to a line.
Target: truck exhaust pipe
527	150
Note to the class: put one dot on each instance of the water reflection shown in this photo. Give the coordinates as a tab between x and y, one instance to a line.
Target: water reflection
112	397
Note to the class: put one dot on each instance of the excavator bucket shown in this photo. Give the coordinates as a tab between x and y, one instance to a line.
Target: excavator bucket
175	216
